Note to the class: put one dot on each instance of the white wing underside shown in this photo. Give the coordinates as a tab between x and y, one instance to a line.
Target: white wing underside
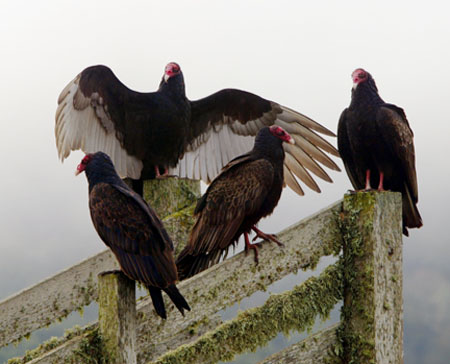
219	146
84	123
89	129
212	150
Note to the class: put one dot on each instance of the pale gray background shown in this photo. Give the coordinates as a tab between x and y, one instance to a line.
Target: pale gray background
298	53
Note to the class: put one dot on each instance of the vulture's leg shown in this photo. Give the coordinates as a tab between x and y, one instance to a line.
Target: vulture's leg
161	176
380	185
368	188
270	237
249	245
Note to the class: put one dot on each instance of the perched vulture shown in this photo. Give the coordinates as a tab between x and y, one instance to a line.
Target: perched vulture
376	144
144	133
247	189
132	230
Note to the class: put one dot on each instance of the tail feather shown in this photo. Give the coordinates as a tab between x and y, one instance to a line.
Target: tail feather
158	303
411	215
189	265
177	298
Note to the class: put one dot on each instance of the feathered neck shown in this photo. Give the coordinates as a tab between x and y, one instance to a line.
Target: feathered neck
365	93
173	86
268	146
101	171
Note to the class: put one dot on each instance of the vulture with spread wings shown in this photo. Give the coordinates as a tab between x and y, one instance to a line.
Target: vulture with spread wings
146	133
132	230
377	146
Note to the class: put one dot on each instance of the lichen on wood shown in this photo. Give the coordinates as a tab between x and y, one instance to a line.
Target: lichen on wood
236	278
117	316
91	350
52	299
293	310
312	350
371	229
170	195
179	224
305	242
174	200
50	344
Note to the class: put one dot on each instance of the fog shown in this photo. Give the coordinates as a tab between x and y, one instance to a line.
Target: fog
299	54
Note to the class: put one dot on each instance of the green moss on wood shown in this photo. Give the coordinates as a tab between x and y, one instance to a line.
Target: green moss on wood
117	311
179	224
50	344
174	200
356	338
91	350
292	310
170	195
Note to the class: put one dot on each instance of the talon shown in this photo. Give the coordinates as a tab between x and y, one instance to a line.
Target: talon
249	245
271	237
157	174
161	176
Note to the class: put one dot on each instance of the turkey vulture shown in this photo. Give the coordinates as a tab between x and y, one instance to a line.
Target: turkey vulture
376	144
132	230
247	189
143	132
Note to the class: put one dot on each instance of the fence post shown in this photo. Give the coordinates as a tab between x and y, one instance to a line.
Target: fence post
372	315
117	316
174	200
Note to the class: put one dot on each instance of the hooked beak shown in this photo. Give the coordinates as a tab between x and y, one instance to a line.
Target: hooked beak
166	77
80	168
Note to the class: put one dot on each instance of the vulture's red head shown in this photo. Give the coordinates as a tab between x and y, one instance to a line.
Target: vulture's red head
84	162
172	69
358	76
280	133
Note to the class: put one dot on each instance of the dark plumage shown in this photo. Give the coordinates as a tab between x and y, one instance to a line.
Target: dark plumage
193	139
247	189
132	230
376	144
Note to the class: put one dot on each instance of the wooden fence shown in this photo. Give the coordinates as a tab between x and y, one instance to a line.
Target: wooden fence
363	230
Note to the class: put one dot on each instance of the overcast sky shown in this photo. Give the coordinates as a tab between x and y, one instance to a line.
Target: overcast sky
298	53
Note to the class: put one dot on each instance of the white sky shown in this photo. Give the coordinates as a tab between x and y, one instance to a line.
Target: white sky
298	53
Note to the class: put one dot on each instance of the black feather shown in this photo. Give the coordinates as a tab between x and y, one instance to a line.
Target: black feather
132	230
247	189
375	137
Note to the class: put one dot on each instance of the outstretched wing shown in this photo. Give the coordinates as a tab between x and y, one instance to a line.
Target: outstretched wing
134	233
224	125
90	117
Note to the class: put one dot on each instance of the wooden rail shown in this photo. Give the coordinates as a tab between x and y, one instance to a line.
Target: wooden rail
73	288
367	225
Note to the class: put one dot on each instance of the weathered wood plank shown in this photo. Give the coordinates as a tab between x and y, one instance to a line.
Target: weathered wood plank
292	310
58	350
71	289
53	298
314	349
174	200
235	278
372	316
117	316
59	354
